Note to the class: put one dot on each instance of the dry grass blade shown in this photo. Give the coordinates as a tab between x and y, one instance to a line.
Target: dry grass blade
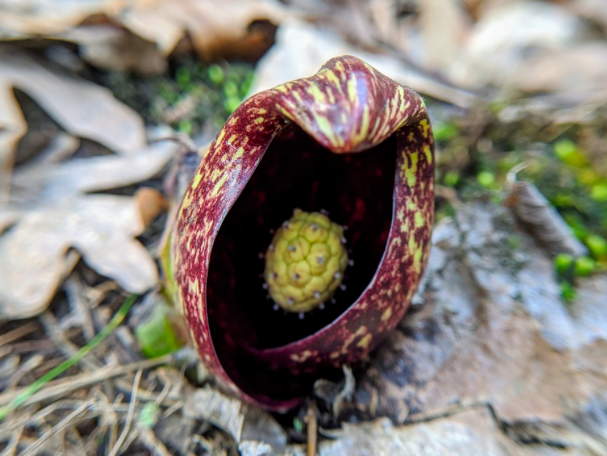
63	424
38	384
17	333
70	384
129	416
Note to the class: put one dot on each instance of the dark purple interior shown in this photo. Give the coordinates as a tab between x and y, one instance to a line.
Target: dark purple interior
296	172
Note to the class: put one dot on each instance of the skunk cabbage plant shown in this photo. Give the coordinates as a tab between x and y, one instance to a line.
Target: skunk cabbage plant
305	231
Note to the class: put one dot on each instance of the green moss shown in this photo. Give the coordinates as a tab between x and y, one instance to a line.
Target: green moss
190	95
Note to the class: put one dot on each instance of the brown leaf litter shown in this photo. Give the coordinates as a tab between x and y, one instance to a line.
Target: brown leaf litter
113	32
50	211
494	331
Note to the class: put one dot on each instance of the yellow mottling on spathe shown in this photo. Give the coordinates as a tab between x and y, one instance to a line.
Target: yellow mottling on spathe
364	342
352	88
375	126
233	120
401	100
417	260
301	358
219	184
331	96
333	79
215	174
393	107
239	153
297	96
334	355
284	112
316	93
187	200
364	128
361	331
395	243
194	287
405	226
424	127
411	137
222	133
282	88
400	215
387	314
412	243
231	140
410	169
344	117
428	154
340	66
261	111
259	120
419	219
411	205
325	127
197	179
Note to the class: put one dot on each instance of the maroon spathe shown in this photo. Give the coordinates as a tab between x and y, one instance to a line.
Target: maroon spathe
306	132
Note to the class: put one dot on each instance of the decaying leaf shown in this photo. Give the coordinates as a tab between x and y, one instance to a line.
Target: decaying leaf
301	49
48	212
493	330
82	108
214	26
100	227
469	432
547	225
507	37
238	419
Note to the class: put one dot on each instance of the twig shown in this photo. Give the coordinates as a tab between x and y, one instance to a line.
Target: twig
70	384
149	440
129	415
12	444
17	333
312	428
64	423
67	348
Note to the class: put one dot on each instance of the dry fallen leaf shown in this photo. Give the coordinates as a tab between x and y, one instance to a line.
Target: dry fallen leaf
542	219
494	330
100	227
82	108
301	49
49	212
241	421
507	36
214	27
